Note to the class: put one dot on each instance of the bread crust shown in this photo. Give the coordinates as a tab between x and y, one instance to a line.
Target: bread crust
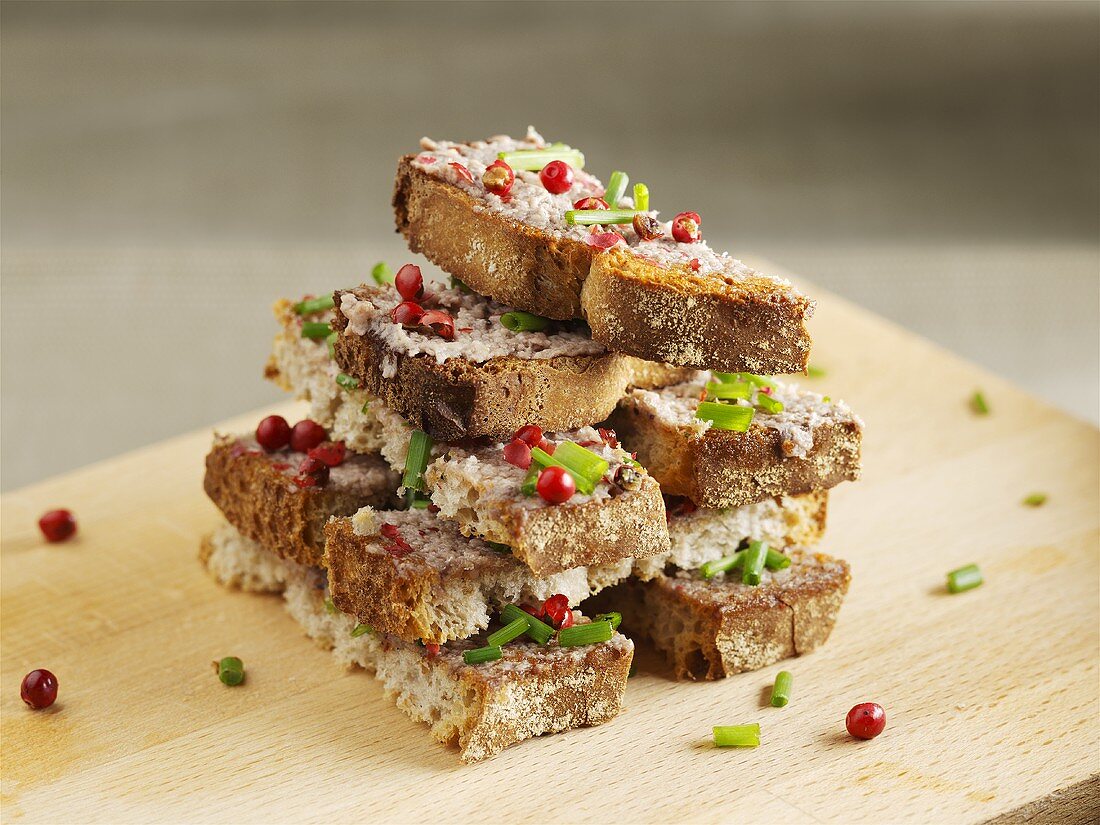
710	630
459	399
259	500
747	324
731	469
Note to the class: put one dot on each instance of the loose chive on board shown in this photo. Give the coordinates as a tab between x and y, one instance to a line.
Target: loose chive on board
737	736
965	578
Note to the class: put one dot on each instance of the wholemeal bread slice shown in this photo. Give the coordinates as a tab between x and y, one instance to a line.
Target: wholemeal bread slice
481	709
488	381
257	493
812	444
713	629
655	299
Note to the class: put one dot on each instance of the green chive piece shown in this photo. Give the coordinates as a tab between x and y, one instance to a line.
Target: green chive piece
382	273
755	556
814	371
311	305
416	460
330	607
499	547
641	197
231	671
537	629
416	501
728	391
768	404
755	380
366	406
459	285
316	329
737	736
711	569
598	217
776	560
1036	500
827	399
482	654
581	460
781	691
518	321
510	631
585	485
531	480
532	160
360	630
978	403
616	188
965	578
347	382
330	342
586	634
725	416
614	617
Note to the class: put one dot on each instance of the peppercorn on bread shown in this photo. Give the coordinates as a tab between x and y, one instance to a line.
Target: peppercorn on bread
261	494
811	443
481	709
655	298
716	628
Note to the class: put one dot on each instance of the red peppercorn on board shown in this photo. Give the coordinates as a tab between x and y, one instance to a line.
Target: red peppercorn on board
990	695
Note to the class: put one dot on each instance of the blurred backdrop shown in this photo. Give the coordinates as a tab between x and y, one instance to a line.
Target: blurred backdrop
169	169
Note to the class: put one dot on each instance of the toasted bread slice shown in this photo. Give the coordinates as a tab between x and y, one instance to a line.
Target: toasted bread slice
436	585
488	381
713	629
257	493
658	300
481	709
813	444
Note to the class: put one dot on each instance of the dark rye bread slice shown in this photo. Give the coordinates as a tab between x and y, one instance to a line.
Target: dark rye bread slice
255	491
673	314
813	445
479	709
434	584
713	629
460	398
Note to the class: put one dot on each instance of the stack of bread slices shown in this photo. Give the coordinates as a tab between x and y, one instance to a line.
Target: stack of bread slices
576	443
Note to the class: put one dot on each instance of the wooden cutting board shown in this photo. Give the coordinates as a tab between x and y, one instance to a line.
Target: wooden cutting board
991	696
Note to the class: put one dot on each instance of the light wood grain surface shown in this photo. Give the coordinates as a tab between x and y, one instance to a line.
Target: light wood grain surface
991	696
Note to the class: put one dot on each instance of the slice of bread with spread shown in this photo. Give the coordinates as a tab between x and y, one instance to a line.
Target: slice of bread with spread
667	297
531	690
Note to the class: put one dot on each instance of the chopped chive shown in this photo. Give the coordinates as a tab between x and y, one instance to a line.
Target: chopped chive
965	578
776	560
499	547
598	217
366	406
755	556
231	671
382	273
459	285
737	736
360	630
316	329
482	654
311	305
416	460
755	380
616	188
581	460
723	565
330	607
347	382
585	634
725	416
537	629
585	485
1036	500
330	342
728	391
518	321
814	371
416	501
641	197
532	160
978	403
530	481
781	691
827	399
768	404
507	633
614	617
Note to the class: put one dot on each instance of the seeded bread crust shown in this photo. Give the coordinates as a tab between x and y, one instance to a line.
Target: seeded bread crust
459	399
267	507
480	709
632	307
710	630
731	469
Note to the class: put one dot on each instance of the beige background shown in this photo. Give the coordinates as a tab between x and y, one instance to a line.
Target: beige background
170	169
